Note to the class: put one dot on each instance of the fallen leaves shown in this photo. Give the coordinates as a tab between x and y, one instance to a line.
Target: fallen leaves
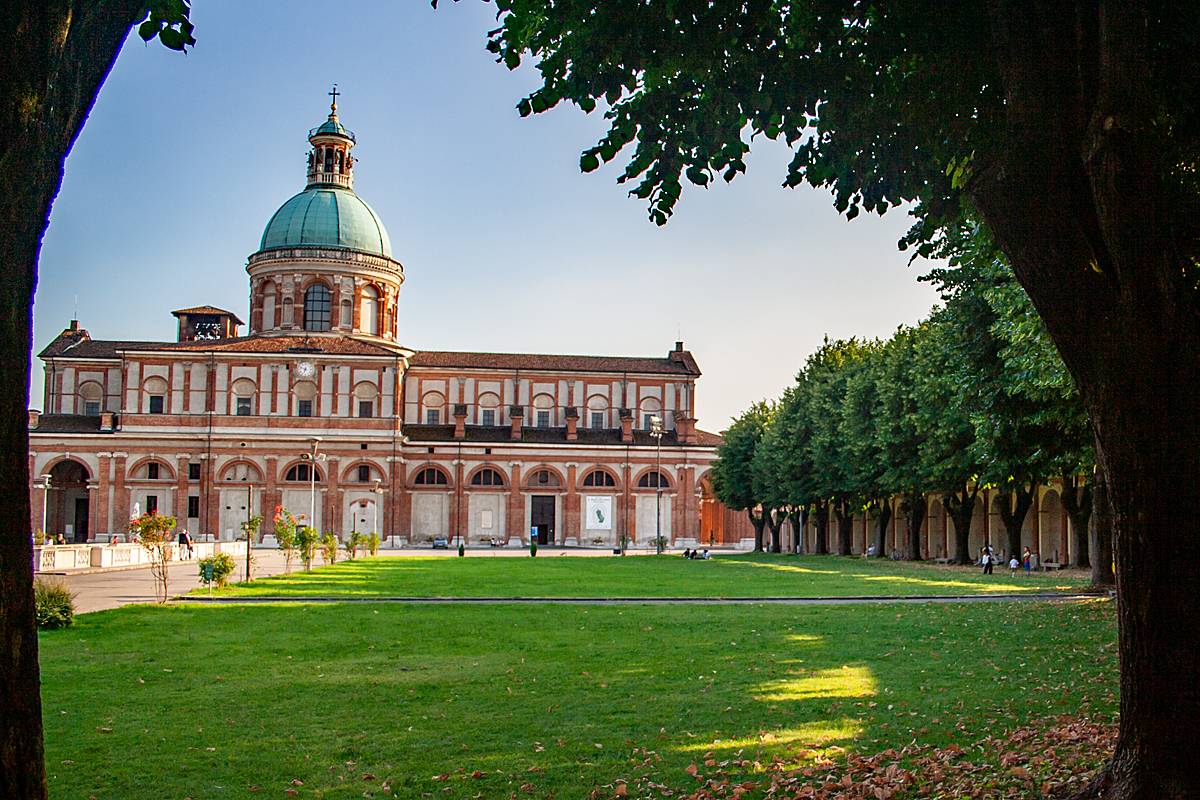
1048	759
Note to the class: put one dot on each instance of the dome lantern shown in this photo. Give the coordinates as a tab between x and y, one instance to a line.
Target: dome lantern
330	162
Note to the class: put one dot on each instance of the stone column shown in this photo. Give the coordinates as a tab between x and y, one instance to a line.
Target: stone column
399	524
210	498
331	513
515	508
270	496
179	504
461	510
93	497
571	507
120	510
515	413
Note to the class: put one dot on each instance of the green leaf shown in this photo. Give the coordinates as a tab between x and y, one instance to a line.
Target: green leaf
588	162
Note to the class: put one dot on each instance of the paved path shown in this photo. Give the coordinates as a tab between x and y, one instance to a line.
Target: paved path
99	590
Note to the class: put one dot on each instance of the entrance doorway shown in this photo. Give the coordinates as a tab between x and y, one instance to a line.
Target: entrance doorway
542	518
82	507
68	506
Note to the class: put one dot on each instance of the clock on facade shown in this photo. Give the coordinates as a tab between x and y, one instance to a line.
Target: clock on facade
304	369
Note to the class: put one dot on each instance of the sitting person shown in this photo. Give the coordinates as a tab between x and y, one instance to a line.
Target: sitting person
687	552
707	555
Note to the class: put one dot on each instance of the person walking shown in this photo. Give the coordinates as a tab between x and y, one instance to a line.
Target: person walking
185	542
988	559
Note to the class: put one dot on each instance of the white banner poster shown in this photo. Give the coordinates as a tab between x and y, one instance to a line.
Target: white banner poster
599	513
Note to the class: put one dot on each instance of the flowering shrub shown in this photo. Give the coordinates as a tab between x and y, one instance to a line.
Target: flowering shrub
285	536
152	532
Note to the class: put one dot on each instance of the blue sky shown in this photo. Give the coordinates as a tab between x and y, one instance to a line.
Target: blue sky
506	245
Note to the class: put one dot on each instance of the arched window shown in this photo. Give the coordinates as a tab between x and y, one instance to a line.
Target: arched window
598	477
430	476
154	471
91	394
329	159
543	477
316	308
301	472
345	318
368	321
341	161
653	480
487	477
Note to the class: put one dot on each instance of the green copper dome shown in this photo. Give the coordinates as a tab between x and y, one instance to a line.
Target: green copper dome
328	217
331	126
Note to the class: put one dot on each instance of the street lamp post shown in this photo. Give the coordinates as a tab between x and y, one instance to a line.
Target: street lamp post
312	458
378	492
45	503
656	430
249	513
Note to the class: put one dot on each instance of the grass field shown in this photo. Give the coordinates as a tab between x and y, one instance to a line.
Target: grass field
505	700
749	575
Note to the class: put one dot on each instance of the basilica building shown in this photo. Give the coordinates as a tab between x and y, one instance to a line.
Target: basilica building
317	407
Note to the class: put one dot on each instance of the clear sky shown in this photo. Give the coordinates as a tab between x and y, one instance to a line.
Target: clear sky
506	246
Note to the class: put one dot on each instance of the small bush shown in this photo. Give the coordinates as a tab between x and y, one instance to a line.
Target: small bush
329	548
55	604
223	566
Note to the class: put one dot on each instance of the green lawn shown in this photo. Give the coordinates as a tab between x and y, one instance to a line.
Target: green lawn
507	700
750	575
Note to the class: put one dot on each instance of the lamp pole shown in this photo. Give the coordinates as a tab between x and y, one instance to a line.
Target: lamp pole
249	513
45	503
656	430
312	457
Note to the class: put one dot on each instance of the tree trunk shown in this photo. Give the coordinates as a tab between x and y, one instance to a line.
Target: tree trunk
799	518
881	513
961	508
1102	535
1013	511
758	521
54	54
1077	502
845	523
821	524
775	522
1080	200
915	507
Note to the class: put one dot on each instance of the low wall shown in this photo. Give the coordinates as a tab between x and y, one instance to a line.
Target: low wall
54	558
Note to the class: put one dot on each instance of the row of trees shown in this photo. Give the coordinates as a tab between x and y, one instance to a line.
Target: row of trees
975	396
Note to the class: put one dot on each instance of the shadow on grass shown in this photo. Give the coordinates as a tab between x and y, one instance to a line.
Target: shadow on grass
749	575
